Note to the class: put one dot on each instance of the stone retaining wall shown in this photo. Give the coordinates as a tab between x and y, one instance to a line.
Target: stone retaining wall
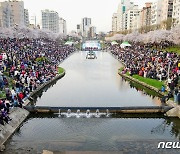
18	115
141	83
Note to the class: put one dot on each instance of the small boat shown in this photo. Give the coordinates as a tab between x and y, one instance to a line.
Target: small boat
91	55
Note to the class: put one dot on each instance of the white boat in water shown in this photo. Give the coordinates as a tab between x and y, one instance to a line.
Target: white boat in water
91	55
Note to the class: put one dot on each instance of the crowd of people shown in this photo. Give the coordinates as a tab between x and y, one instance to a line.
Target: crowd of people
150	63
26	64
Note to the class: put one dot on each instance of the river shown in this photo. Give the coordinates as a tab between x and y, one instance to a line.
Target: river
94	83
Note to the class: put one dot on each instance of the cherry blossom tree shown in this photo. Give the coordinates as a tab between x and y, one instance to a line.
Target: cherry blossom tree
116	37
24	32
175	35
156	36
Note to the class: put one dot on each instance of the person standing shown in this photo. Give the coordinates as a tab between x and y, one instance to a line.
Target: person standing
176	95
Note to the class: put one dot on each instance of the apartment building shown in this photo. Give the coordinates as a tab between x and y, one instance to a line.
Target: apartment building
6	16
156	9
176	13
50	20
86	24
130	17
114	22
17	8
122	8
26	18
62	26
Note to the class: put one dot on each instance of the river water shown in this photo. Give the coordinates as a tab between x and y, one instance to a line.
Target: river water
94	83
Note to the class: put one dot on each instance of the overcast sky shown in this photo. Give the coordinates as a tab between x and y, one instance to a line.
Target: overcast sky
74	10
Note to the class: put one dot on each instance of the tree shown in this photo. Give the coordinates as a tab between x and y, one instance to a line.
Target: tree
166	24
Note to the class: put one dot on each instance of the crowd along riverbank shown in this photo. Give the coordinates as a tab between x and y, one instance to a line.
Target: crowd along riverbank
18	115
174	112
20	118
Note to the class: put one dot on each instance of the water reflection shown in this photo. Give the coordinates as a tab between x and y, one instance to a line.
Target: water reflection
171	124
94	133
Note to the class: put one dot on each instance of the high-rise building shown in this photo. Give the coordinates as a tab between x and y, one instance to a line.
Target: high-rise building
17	8
122	8
167	9
114	22
79	31
176	13
26	18
156	10
92	32
86	23
62	26
50	20
129	15
166	14
136	24
145	15
6	16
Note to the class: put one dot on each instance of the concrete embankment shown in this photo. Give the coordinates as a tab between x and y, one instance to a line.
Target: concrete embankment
43	86
18	115
142	83
174	112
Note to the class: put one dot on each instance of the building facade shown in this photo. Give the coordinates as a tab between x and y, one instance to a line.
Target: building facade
92	32
167	9
121	17
50	20
176	13
26	18
6	16
17	8
114	23
129	18
136	24
79	31
145	15
156	12
62	26
166	14
86	24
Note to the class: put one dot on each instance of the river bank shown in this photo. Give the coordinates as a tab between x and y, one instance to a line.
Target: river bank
18	115
175	112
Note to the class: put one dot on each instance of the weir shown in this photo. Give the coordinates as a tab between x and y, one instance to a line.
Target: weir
130	110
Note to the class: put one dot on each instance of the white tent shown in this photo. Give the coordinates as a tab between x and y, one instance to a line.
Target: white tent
114	43
125	44
69	43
